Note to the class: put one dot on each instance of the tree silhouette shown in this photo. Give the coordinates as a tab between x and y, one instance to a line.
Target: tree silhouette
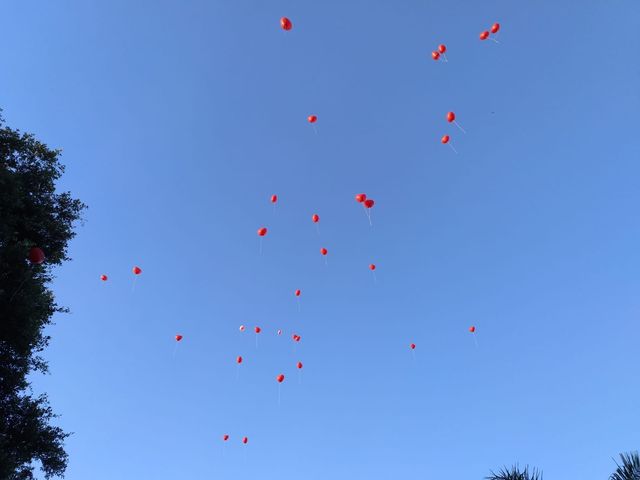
630	468
514	473
32	214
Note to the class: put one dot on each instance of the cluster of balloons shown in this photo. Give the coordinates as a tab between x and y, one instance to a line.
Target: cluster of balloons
225	438
451	116
495	28
440	51
36	255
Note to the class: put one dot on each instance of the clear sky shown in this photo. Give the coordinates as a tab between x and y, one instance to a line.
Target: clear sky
179	119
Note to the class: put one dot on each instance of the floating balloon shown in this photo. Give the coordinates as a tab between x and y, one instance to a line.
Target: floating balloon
484	35
472	329
257	329
178	338
225	437
323	251
442	48
299	365
435	55
245	440
315	218
296	337
280	378
412	346
286	24
103	278
446	140
312	118
241	328
262	231
279	332
451	118
239	359
137	270
369	203
372	267
297	293
274	198
361	197
36	255
495	27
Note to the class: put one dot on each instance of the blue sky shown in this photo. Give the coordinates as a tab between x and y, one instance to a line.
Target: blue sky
179	119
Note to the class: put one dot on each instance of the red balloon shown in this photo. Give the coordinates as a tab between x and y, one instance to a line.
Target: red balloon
495	27
103	278
312	118
361	197
36	255
435	55
451	117
262	231
472	329
245	440
178	338
225	437
274	198
324	251
257	329
298	292
296	338
299	365
315	218
412	346
442	48
445	139
137	270
280	378
368	203
286	24
484	35
239	359
242	328
372	267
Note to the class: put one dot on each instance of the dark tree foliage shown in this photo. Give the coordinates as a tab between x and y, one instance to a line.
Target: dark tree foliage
514	473
32	214
629	469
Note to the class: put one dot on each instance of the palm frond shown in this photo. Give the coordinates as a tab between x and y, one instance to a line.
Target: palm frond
630	468
514	473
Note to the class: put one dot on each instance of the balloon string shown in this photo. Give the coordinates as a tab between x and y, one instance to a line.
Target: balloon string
445	57
367	212
413	355
475	339
260	245
375	280
256	340
318	228
458	125
299	377
298	300
315	129
133	288
279	394
237	372
174	350
454	150
494	40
